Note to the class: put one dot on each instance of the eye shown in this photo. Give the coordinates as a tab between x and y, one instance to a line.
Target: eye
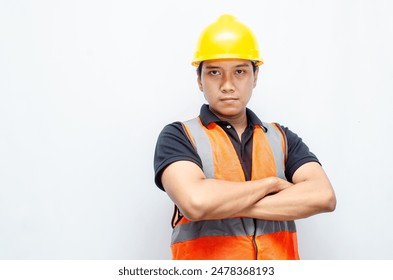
214	72
240	71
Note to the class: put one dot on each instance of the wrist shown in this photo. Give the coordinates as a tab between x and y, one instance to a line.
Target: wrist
272	184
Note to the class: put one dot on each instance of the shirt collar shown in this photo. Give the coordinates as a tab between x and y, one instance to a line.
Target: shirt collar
208	117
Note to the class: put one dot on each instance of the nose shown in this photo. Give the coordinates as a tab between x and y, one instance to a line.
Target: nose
227	84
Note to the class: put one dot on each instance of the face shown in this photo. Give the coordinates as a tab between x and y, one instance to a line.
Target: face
227	85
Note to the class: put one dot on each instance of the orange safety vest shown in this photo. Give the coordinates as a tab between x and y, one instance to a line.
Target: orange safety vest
235	238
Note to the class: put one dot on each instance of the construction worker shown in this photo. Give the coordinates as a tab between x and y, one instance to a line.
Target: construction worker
237	183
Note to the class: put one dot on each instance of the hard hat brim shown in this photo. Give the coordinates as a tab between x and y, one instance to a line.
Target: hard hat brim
197	61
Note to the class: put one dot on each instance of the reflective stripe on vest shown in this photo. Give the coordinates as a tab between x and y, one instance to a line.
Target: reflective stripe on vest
236	238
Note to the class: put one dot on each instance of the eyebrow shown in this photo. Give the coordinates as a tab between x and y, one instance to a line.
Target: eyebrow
243	65
218	67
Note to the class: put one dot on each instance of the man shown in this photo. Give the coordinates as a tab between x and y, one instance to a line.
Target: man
238	183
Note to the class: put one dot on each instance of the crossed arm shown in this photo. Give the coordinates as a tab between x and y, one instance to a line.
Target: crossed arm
199	198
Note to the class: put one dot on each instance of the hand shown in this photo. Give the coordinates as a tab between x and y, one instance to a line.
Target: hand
282	184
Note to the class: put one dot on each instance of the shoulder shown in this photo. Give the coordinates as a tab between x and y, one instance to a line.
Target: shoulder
172	141
172	145
291	136
172	130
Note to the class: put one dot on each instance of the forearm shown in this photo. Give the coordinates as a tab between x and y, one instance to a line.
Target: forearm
199	198
217	199
271	198
302	200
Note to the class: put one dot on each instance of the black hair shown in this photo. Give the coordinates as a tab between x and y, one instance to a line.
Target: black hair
199	69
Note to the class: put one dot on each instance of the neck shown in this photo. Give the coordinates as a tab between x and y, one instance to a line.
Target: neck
239	122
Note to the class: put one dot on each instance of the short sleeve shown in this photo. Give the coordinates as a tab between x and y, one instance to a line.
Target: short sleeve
172	145
298	153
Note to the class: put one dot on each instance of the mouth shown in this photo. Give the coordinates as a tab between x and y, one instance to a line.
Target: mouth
229	99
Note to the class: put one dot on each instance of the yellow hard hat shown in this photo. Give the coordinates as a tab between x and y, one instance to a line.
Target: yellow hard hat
227	38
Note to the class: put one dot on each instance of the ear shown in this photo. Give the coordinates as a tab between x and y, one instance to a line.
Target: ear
256	77
199	81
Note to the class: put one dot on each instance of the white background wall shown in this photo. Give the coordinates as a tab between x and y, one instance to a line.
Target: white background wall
86	87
